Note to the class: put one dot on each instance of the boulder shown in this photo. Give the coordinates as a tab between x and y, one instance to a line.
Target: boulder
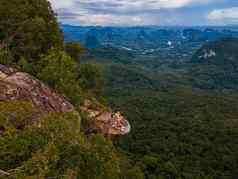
19	86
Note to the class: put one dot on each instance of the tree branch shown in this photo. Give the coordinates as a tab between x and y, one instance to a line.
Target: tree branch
4	173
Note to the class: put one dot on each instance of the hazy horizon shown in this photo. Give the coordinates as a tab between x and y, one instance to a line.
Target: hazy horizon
156	26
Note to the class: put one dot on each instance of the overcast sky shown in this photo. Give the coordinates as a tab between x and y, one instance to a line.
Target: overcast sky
147	12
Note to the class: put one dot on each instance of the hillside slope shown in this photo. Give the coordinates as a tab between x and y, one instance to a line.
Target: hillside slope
215	65
20	86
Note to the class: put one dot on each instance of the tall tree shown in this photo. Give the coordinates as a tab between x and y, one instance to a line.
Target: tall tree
28	28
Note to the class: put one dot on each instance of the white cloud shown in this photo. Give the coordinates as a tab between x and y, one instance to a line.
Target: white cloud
118	12
144	4
221	14
128	4
58	4
106	19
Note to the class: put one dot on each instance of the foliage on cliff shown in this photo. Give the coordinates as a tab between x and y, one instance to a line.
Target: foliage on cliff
28	28
68	77
54	147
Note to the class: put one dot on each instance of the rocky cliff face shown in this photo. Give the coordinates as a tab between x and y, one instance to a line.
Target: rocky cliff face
19	86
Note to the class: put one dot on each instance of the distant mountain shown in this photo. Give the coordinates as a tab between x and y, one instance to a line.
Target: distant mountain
144	37
220	52
215	64
207	56
203	35
91	42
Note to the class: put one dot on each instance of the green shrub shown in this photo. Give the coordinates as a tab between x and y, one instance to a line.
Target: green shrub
67	76
16	114
60	71
54	147
6	57
91	76
74	50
